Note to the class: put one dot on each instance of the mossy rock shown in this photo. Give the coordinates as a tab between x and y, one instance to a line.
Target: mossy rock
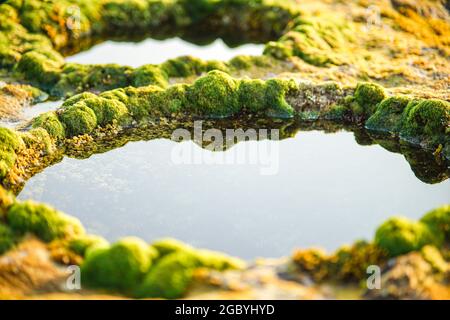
76	78
10	144
172	274
107	111
321	41
144	102
116	94
439	220
38	138
170	277
399	235
183	67
51	123
149	75
120	267
252	95
389	114
78	119
276	92
78	97
9	139
8	58
218	261
427	119
174	99
368	96
83	243
168	245
211	65
351	262
337	112
43	221
107	76
126	14
40	67
214	95
246	62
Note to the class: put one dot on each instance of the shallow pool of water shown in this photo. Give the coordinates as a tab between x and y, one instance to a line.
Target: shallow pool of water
324	190
152	51
30	112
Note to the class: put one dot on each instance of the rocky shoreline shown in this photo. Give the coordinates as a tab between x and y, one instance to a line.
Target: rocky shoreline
377	68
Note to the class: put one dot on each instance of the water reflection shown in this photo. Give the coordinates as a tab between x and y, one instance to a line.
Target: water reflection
328	191
153	51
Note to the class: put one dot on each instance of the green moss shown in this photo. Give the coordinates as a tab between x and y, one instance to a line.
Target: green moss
145	101
10	144
78	97
44	221
39	67
439	220
8	11
270	97
211	65
169	245
10	140
7	238
432	255
116	94
50	122
182	67
170	277
8	57
82	244
173	272
337	112
108	76
400	235
38	138
214	95
218	261
107	111
427	120
247	62
72	80
76	78
351	262
279	50
388	116
78	119
149	75
129	14
276	92
174	98
252	95
368	96
320	41
119	267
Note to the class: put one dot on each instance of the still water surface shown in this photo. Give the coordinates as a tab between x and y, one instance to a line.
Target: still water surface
326	191
157	51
